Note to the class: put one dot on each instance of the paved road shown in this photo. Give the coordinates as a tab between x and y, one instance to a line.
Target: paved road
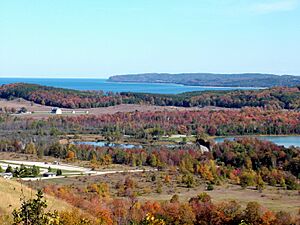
71	171
44	165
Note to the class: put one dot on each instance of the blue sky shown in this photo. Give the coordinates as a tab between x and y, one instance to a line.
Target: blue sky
98	38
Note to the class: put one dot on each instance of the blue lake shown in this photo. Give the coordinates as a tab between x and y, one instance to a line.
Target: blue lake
286	141
107	144
104	85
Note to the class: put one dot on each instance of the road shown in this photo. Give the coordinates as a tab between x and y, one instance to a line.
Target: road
69	170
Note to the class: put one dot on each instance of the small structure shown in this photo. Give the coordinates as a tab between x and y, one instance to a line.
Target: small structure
204	148
6	175
56	111
49	174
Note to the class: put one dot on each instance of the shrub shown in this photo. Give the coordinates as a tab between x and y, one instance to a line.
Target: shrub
210	187
58	172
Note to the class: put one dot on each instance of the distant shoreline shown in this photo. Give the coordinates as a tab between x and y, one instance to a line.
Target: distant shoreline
186	85
243	80
107	85
256	135
107	80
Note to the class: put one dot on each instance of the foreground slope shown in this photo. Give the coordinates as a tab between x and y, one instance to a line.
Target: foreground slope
11	192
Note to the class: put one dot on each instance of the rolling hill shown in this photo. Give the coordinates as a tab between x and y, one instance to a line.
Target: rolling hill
11	192
210	79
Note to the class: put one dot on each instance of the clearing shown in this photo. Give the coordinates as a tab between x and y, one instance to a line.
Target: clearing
33	107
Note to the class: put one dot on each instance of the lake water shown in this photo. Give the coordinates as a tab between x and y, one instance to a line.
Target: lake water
286	141
124	146
106	144
104	85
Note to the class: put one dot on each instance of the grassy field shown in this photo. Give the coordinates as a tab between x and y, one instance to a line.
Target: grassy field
11	192
33	107
148	189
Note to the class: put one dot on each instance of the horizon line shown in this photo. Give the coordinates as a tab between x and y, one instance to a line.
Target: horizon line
144	73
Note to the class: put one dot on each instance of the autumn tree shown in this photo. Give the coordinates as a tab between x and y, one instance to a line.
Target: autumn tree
253	213
30	148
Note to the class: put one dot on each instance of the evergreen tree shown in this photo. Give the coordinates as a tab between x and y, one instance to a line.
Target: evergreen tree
32	212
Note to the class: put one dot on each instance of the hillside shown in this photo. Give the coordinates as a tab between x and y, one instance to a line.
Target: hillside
209	79
59	97
276	97
11	192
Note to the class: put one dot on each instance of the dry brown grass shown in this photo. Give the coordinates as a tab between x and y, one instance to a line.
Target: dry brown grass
271	198
11	192
33	107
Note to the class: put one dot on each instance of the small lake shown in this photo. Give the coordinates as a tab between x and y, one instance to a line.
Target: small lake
107	144
286	141
105	85
115	145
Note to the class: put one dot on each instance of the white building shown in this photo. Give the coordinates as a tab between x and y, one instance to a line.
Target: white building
56	111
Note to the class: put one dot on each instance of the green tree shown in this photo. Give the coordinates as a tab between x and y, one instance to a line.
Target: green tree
35	171
58	172
188	180
32	212
282	183
260	185
30	148
248	178
9	169
210	187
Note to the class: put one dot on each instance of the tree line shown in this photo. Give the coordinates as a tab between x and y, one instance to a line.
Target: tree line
272	98
245	161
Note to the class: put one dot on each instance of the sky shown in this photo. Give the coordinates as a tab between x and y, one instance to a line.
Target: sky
99	38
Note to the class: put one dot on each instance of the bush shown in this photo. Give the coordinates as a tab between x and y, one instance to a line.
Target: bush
58	172
248	178
188	180
291	183
175	198
210	187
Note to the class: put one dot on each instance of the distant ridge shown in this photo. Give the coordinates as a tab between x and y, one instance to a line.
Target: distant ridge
212	79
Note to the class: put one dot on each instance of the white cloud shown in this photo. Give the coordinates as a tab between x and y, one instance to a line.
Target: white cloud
275	6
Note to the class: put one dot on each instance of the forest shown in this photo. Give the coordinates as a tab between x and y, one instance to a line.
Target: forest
179	182
151	125
242	161
246	162
210	79
272	98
